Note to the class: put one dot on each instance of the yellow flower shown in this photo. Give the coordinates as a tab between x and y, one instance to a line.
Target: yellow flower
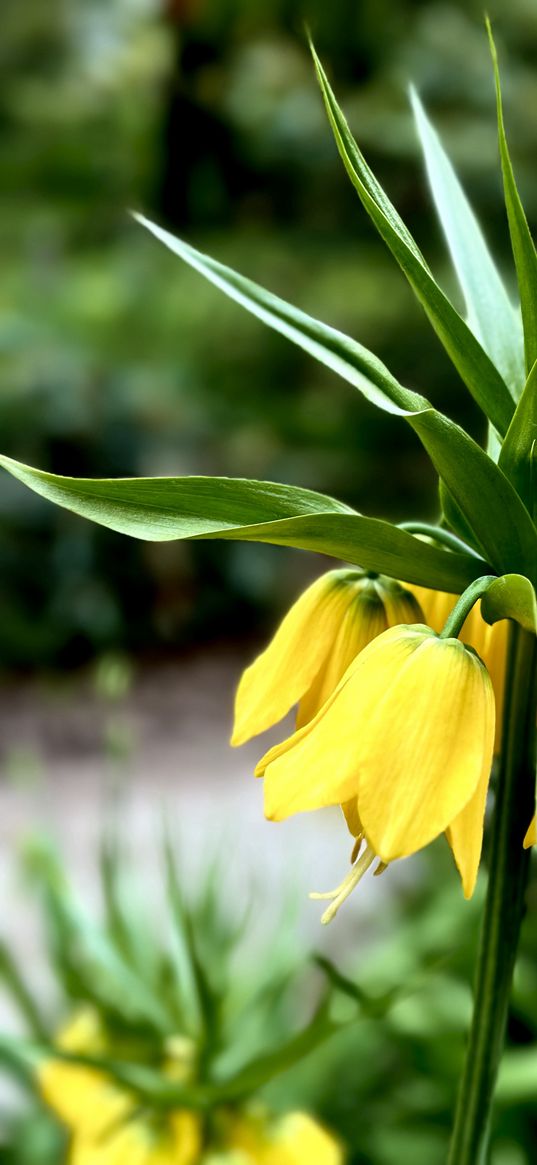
406	739
101	1115
295	1139
83	1098
138	1143
490	642
325	629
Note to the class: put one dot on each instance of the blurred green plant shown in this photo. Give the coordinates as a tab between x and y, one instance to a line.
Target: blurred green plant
176	1007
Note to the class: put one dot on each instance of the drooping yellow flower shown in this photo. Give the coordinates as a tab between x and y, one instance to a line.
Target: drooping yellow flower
295	1139
490	642
102	1117
331	622
405	741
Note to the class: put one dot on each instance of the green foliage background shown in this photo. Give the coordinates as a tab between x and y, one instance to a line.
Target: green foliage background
117	361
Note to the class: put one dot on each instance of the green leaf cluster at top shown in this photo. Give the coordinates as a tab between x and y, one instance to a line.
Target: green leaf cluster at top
488	498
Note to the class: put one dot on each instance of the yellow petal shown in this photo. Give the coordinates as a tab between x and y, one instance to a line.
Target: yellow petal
185	1131
83	1098
531	835
136	1143
318	765
436	606
296	1139
299	1140
364	619
116	1149
285	670
400	604
379	603
423	749
490	642
465	834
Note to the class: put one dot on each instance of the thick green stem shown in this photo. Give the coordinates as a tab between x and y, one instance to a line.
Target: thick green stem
504	907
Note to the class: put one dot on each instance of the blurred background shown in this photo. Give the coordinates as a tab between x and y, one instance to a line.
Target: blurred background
118	658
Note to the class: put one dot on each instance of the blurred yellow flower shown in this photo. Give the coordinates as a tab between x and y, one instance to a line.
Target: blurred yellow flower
324	630
102	1116
490	642
109	1127
295	1139
137	1142
405	743
83	1098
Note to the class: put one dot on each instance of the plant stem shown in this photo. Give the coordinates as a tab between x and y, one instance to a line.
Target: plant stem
454	622
504	907
439	534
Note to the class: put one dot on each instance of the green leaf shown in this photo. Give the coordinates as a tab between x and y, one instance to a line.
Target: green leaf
518	453
13	980
193	986
511	597
522	243
491	315
491	508
125	927
264	1068
345	356
453	516
474	366
160	509
371	1006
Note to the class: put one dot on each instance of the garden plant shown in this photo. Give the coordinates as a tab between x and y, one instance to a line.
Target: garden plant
416	665
159	1038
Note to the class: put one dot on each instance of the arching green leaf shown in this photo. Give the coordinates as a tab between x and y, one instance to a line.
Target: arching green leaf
160	509
518	456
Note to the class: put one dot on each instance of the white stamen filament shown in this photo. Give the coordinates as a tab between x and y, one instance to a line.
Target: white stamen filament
341	893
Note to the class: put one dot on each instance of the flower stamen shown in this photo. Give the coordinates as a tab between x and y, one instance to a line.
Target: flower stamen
357	847
341	893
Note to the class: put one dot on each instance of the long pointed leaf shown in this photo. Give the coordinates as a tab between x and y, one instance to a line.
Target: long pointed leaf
161	509
522	243
491	315
518	457
337	351
491	509
478	372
